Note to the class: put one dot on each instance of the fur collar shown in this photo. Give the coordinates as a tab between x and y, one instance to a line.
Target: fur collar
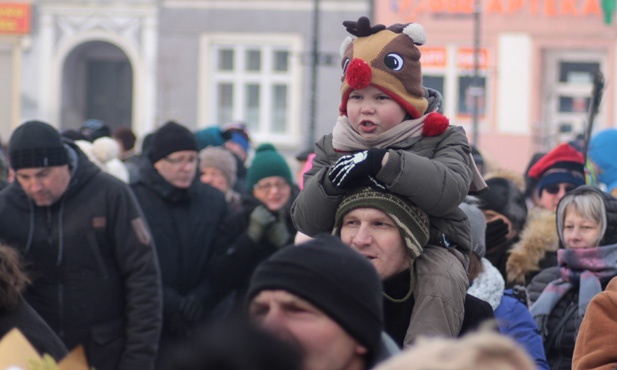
538	237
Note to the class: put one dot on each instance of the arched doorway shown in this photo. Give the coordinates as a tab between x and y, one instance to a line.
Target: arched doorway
97	82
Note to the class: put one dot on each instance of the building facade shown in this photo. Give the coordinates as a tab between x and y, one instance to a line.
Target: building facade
537	60
139	63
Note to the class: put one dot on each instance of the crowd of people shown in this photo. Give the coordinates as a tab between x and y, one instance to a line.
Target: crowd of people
395	247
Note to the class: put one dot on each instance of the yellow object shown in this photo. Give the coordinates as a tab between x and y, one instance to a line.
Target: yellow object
16	353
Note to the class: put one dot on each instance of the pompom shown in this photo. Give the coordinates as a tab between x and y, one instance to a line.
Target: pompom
359	74
105	149
416	32
435	124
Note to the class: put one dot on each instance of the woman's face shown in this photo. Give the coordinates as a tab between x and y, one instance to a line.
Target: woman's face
579	232
273	191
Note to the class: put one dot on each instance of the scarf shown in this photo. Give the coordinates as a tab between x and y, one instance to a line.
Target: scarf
346	139
488	285
582	268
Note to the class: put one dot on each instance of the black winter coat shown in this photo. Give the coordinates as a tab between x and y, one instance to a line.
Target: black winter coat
184	225
95	273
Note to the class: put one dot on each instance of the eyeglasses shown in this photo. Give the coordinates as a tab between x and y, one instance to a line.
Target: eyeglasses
555	188
181	160
267	186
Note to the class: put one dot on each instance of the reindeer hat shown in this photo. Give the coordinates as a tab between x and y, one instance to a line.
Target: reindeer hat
386	58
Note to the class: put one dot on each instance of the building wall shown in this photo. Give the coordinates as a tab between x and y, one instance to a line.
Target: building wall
526	43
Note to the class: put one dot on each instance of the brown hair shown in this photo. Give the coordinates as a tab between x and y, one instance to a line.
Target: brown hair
13	279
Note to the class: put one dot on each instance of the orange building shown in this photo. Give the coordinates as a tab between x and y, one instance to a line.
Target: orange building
537	61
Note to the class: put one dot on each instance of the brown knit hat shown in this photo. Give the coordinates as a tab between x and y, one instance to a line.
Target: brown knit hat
386	58
412	222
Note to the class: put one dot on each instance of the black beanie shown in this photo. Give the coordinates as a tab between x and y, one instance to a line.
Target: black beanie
36	144
503	196
171	138
333	277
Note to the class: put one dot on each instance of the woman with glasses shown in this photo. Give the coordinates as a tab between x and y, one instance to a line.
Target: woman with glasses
587	228
260	227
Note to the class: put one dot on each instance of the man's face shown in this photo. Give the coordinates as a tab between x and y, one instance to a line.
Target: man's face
375	235
44	185
552	194
178	168
325	345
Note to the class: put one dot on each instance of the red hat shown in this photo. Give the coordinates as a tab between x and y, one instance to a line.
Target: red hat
563	156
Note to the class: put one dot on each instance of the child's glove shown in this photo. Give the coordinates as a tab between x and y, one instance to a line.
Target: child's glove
496	232
259	221
353	166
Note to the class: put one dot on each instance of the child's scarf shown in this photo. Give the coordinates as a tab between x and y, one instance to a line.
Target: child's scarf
582	268
346	139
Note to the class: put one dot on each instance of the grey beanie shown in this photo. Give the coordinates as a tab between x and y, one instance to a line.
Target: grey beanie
478	228
222	159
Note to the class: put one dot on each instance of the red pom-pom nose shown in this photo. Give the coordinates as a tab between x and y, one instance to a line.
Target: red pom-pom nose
359	74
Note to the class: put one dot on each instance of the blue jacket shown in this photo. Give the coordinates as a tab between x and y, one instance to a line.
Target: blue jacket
515	321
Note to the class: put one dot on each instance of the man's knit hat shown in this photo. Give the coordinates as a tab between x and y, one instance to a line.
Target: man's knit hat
386	58
478	227
222	159
503	196
209	136
171	138
36	144
412	222
333	277
562	164
266	163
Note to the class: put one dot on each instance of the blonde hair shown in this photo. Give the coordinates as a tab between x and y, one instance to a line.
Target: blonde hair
588	205
478	351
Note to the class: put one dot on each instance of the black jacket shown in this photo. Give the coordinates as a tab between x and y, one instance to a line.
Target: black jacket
184	225
95	273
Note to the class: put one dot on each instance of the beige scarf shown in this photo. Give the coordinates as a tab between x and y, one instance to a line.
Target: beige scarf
346	139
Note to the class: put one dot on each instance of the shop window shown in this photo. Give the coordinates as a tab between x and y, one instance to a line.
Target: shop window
434	82
468	91
577	72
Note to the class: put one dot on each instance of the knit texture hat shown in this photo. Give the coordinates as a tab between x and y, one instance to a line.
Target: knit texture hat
333	277
386	58
36	144
209	136
266	163
171	138
478	228
562	164
503	196
222	159
412	222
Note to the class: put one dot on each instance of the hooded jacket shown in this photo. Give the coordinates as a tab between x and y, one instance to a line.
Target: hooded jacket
559	355
95	275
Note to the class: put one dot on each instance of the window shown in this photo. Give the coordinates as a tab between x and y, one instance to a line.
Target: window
468	91
255	79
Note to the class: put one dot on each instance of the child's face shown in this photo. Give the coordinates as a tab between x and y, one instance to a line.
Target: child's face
372	112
